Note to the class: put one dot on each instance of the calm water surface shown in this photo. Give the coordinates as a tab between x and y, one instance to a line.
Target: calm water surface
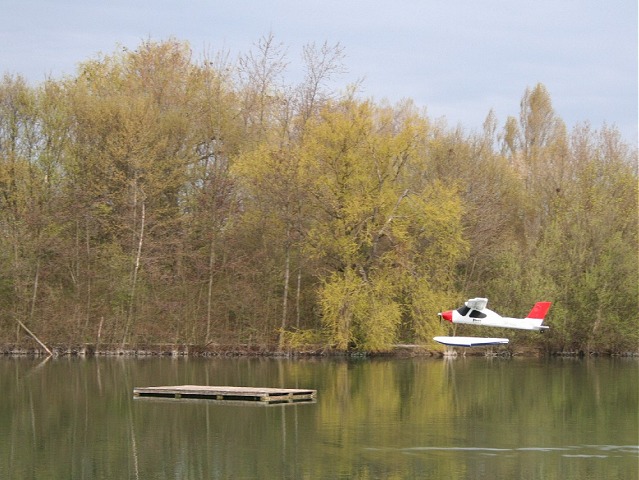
460	418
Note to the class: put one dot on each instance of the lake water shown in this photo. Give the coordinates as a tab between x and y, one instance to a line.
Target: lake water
458	418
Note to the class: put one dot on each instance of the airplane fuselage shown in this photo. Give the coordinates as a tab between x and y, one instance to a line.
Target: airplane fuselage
488	318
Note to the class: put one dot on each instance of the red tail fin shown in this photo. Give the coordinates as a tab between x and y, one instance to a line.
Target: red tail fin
539	310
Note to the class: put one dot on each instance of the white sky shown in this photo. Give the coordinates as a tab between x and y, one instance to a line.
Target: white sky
456	58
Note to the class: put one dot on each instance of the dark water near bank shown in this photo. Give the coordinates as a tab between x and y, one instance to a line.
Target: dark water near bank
461	418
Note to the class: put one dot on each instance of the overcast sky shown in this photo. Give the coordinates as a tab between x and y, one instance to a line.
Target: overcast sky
456	58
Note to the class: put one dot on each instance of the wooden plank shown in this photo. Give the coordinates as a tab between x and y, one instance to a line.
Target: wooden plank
227	393
228	403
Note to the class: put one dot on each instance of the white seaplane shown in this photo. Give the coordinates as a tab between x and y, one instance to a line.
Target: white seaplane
474	312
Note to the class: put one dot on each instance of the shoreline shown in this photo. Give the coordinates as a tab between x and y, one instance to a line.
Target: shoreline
216	351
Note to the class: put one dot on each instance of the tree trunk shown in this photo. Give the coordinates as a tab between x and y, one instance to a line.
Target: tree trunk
136	268
209	300
287	274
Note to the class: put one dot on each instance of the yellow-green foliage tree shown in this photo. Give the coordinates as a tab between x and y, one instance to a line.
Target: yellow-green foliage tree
576	238
588	250
380	237
24	200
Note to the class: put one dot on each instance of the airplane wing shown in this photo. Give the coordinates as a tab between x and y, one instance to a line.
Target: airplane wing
470	341
477	303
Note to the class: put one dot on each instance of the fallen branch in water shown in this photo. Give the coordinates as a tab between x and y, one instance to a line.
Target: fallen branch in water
35	338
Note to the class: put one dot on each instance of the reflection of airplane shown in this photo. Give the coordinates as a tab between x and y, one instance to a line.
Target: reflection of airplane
474	312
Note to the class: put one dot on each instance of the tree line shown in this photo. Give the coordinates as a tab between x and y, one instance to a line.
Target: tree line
152	198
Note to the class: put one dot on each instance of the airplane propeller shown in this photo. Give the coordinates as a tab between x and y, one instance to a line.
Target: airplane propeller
441	318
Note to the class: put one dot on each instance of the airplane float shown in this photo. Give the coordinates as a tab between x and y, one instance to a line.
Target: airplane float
474	312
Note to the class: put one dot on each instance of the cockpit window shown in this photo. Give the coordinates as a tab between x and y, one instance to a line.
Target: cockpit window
463	311
477	314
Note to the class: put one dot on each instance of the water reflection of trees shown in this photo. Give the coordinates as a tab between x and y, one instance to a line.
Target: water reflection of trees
373	419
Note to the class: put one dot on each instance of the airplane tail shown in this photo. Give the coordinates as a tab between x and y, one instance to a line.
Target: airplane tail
538	313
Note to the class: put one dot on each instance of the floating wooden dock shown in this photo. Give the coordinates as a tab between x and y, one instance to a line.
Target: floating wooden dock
255	394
